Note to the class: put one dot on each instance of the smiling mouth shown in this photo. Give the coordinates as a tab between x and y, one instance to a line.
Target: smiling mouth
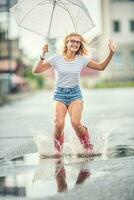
74	47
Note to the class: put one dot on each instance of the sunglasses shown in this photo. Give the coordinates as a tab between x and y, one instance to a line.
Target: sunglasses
75	41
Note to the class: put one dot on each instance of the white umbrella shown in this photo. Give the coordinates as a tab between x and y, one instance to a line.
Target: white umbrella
52	18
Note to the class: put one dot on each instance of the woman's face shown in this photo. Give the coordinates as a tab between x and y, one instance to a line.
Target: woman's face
73	43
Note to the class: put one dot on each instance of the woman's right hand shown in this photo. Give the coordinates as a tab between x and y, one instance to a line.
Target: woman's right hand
45	49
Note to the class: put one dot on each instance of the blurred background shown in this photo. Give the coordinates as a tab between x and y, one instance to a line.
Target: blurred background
109	113
19	49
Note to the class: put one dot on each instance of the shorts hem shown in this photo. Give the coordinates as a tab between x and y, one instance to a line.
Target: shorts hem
59	101
70	102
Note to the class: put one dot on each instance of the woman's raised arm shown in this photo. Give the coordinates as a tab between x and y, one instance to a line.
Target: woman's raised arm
41	65
102	65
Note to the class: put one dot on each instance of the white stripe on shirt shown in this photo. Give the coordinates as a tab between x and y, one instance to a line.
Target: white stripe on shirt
67	73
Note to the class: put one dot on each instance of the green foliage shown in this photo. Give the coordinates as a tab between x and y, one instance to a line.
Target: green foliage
35	81
3	99
110	84
96	83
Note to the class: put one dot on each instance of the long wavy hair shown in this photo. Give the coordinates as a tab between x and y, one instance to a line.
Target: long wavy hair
82	50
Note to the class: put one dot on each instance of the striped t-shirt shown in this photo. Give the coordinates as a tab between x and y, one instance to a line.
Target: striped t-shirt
67	73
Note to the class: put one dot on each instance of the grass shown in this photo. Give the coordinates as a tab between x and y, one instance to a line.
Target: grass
109	84
95	83
3	99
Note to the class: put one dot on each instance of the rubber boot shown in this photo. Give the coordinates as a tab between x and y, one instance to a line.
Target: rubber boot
85	141
82	176
60	176
58	144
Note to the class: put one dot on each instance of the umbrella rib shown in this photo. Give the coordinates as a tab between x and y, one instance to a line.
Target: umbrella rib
51	18
61	4
68	3
32	30
44	2
62	7
85	9
26	14
74	4
65	8
29	12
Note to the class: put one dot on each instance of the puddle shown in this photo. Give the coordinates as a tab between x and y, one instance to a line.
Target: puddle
118	151
32	177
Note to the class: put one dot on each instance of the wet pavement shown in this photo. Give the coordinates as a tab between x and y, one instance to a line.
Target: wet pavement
109	115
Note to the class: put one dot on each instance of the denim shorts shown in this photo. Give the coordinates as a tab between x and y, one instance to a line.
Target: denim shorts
67	95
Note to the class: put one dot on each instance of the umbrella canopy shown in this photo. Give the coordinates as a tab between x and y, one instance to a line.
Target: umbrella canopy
52	18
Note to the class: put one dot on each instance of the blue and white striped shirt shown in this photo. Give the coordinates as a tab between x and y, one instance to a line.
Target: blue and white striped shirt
67	73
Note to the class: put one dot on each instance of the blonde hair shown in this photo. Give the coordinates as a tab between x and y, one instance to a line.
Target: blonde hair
82	50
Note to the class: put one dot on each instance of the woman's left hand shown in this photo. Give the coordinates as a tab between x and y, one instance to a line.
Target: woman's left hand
112	46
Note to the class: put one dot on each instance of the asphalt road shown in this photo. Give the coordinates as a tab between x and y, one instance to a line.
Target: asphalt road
109	115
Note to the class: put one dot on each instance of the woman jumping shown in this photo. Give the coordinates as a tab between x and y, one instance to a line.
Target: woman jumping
67	95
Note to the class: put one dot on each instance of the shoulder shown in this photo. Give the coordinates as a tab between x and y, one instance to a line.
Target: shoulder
52	58
84	59
55	56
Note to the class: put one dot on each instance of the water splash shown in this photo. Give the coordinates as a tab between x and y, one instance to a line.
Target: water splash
44	143
101	137
104	139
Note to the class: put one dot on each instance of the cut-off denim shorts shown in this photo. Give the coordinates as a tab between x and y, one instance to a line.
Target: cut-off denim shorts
67	95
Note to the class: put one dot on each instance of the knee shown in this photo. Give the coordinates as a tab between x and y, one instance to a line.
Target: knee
59	125
76	124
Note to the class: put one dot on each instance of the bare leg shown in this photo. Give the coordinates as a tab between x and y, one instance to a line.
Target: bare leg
60	176
75	111
60	111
